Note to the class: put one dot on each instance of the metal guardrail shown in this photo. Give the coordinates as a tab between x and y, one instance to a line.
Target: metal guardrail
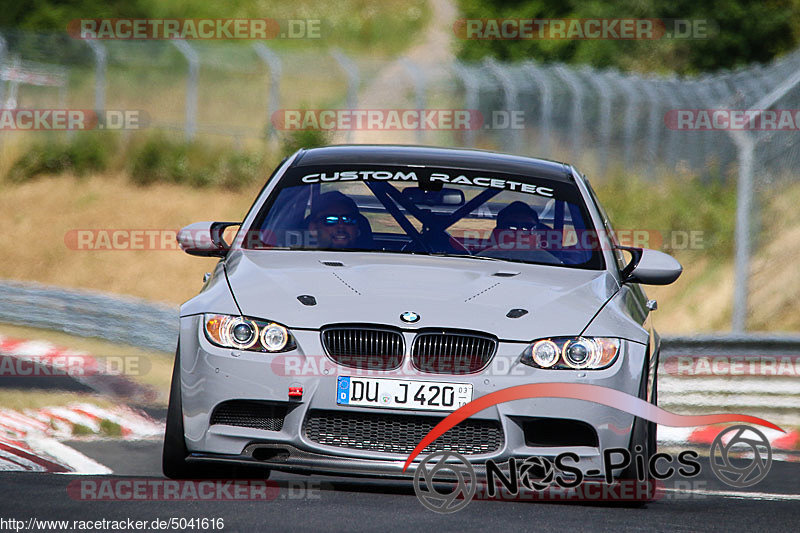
732	344
116	319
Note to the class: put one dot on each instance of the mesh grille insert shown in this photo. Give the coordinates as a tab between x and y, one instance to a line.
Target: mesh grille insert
365	348
250	414
400	434
445	352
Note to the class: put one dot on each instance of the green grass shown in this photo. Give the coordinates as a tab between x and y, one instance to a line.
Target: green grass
161	159
79	430
79	154
385	27
674	205
148	158
294	140
110	429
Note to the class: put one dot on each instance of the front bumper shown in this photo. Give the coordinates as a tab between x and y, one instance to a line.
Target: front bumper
211	375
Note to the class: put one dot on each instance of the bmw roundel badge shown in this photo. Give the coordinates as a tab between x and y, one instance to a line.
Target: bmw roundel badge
410	317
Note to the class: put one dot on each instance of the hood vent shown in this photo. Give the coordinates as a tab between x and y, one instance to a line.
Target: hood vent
307	299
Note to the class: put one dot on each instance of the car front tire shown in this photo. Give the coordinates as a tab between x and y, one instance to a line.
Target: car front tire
174	453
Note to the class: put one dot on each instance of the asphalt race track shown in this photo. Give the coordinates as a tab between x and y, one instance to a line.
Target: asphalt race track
338	504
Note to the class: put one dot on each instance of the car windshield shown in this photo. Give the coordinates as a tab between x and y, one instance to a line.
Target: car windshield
416	210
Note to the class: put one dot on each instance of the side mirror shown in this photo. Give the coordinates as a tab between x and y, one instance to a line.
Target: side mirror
650	267
205	238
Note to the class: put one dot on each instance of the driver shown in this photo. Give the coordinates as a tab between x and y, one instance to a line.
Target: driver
334	221
513	221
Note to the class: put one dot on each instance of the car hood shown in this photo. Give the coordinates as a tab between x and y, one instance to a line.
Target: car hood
446	292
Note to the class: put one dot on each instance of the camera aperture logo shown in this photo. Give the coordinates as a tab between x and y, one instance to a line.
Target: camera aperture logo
735	471
442	464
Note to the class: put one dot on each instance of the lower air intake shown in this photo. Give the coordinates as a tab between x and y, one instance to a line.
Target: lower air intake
400	433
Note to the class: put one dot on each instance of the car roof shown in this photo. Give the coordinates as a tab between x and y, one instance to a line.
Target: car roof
428	156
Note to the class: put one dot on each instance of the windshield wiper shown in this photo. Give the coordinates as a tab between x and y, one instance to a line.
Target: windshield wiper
468	256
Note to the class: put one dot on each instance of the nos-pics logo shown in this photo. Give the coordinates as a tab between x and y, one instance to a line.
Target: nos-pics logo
446	482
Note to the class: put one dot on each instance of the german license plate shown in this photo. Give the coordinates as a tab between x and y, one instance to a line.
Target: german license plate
402	394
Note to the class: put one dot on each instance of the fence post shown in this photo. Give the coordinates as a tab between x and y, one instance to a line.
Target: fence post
470	97
539	76
3	52
726	97
192	58
653	122
513	140
273	63
420	86
744	194
13	85
705	97
100	61
576	125
632	100
353	80
744	191
598	78
669	90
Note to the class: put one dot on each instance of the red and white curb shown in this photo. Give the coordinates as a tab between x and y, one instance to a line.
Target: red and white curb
30	439
704	436
46	361
46	354
18	455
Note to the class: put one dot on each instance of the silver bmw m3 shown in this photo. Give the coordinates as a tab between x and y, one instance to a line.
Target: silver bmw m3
372	290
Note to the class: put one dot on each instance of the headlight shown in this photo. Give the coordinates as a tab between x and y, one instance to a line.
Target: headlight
243	333
545	353
572	353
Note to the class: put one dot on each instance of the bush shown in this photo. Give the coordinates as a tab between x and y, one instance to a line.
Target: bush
83	153
738	32
163	160
156	158
297	139
235	170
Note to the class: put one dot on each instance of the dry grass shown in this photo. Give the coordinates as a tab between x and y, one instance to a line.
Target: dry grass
38	215
19	399
699	302
701	299
775	279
